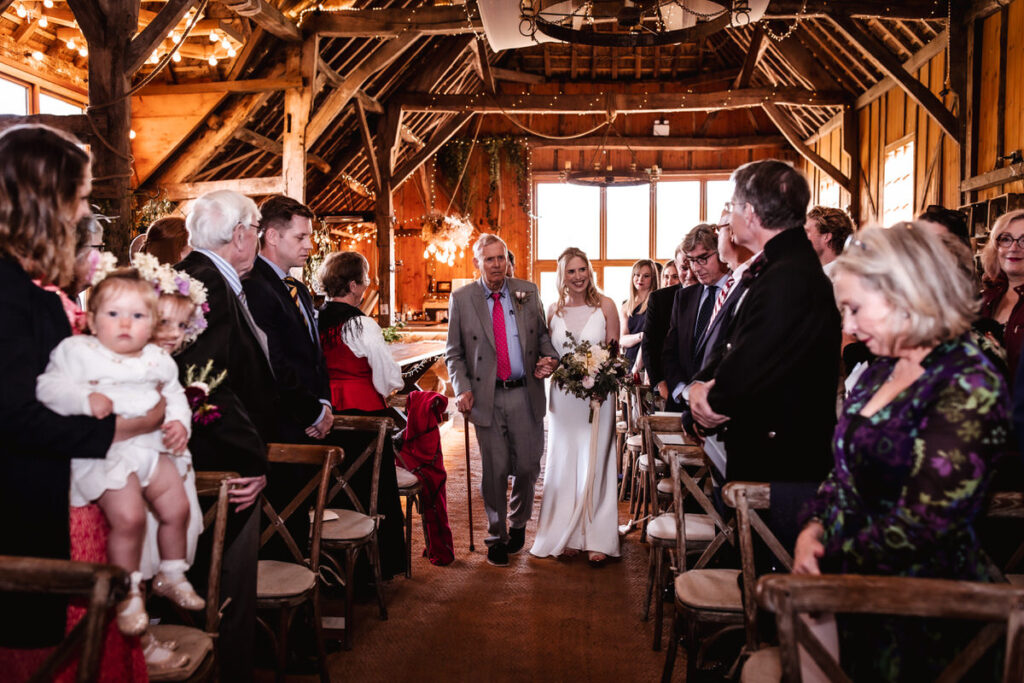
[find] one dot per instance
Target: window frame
(910, 138)
(599, 263)
(37, 85)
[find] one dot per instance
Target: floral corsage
(199, 384)
(522, 298)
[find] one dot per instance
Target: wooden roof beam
(758, 44)
(253, 187)
(245, 86)
(149, 38)
(891, 65)
(789, 129)
(483, 66)
(440, 137)
(659, 143)
(377, 23)
(276, 148)
(885, 9)
(268, 17)
(517, 76)
(622, 103)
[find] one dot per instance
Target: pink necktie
(722, 295)
(500, 340)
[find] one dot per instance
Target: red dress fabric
(122, 661)
(351, 380)
(421, 454)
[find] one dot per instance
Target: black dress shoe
(516, 540)
(497, 555)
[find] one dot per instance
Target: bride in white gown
(565, 526)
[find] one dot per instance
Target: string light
(21, 11)
(48, 4)
(212, 61)
(176, 57)
(70, 43)
(43, 22)
(37, 55)
(231, 52)
(83, 51)
(175, 37)
(131, 134)
(213, 37)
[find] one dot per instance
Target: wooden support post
(851, 145)
(297, 103)
(387, 144)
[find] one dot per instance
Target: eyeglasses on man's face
(701, 260)
(732, 206)
(1006, 240)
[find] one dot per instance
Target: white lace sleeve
(370, 344)
(61, 388)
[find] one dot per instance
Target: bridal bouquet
(590, 371)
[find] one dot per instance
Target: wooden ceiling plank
(694, 143)
(444, 133)
(889, 64)
(619, 102)
(803, 61)
(891, 36)
(905, 30)
(517, 76)
(919, 59)
(788, 128)
(448, 52)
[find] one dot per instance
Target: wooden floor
(544, 620)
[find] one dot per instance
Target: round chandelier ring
(633, 39)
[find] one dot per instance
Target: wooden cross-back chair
(197, 643)
(713, 596)
(704, 532)
(101, 584)
(1008, 505)
(284, 586)
(788, 596)
(354, 530)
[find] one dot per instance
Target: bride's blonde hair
(593, 294)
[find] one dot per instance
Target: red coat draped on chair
(421, 455)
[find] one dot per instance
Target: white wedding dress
(564, 523)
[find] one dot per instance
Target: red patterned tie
(722, 295)
(500, 339)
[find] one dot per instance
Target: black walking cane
(469, 483)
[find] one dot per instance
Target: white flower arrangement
(522, 297)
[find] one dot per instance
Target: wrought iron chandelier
(603, 174)
(640, 23)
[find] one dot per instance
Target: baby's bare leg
(126, 512)
(166, 493)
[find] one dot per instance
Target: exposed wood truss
(788, 129)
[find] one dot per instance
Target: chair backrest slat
(210, 485)
(382, 426)
(789, 595)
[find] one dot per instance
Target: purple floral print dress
(907, 486)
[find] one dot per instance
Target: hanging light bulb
(175, 37)
(154, 58)
(37, 55)
(226, 44)
(70, 43)
(176, 57)
(83, 51)
(43, 22)
(131, 134)
(212, 60)
(48, 4)
(231, 52)
(213, 37)
(21, 11)
(426, 253)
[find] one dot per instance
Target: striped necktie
(293, 288)
(722, 296)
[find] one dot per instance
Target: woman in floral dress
(914, 446)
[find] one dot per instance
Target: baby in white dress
(117, 370)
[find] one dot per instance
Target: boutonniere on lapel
(755, 269)
(522, 298)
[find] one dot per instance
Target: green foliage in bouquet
(590, 371)
(393, 333)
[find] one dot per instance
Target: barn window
(14, 98)
(898, 183)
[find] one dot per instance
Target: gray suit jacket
(471, 354)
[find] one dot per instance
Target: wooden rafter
(483, 66)
(244, 86)
(660, 143)
(905, 9)
(789, 129)
(618, 102)
(378, 22)
(268, 17)
(758, 44)
(274, 147)
(155, 32)
(177, 192)
(440, 137)
(371, 152)
(888, 63)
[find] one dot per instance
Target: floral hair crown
(165, 280)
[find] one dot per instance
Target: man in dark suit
(223, 229)
(282, 307)
(692, 309)
(771, 388)
(738, 259)
(659, 315)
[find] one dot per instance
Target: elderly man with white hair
(223, 229)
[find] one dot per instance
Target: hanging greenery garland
(452, 157)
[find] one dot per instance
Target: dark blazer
(717, 332)
(36, 447)
(659, 315)
(777, 373)
(295, 356)
(677, 354)
(247, 400)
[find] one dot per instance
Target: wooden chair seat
(635, 442)
(665, 486)
(349, 526)
(406, 479)
(710, 589)
(621, 427)
(643, 460)
(191, 641)
(699, 528)
(764, 666)
(276, 579)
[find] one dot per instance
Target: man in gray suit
(498, 355)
